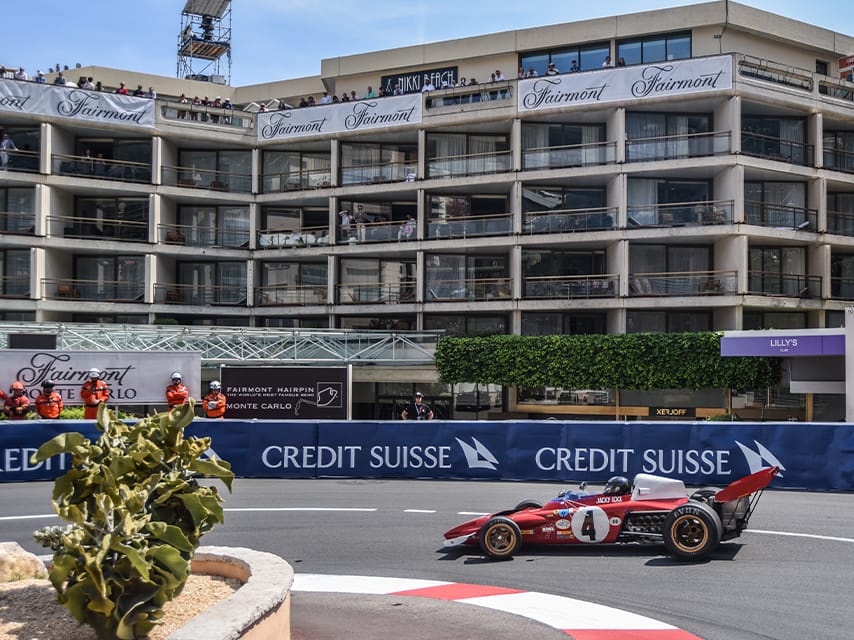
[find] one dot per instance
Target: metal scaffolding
(204, 41)
(237, 345)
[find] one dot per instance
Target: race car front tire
(500, 538)
(692, 531)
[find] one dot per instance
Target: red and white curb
(582, 620)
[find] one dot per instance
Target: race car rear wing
(747, 485)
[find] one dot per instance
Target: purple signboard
(791, 345)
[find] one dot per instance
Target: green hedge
(622, 361)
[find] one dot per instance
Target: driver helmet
(176, 376)
(94, 373)
(617, 486)
(215, 386)
(17, 386)
(48, 384)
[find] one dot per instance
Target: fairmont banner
(626, 84)
(377, 113)
(815, 456)
(32, 98)
(134, 377)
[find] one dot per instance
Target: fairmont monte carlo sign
(625, 84)
(361, 115)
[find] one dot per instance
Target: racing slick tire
(692, 531)
(500, 538)
(528, 504)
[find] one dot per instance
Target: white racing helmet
(215, 385)
(176, 375)
(94, 373)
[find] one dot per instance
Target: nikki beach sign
(32, 98)
(361, 115)
(624, 84)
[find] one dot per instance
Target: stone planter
(259, 610)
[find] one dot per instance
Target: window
(775, 138)
(28, 143)
(547, 146)
(776, 204)
(15, 273)
(114, 278)
(370, 281)
(17, 207)
(658, 48)
(126, 158)
(213, 282)
(587, 56)
(545, 324)
(218, 170)
(839, 150)
(466, 325)
(755, 320)
(840, 213)
(285, 170)
(373, 163)
(667, 321)
(459, 154)
(656, 202)
(459, 277)
(225, 226)
(778, 271)
(124, 218)
(661, 136)
(293, 283)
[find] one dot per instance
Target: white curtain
(642, 201)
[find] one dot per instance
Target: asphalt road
(788, 578)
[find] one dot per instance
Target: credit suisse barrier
(810, 455)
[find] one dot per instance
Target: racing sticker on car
(590, 524)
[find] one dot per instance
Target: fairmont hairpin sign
(626, 83)
(327, 119)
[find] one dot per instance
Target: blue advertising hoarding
(810, 456)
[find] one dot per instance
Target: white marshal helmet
(176, 375)
(215, 385)
(94, 373)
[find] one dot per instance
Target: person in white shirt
(499, 77)
(427, 86)
(552, 70)
(326, 99)
(608, 62)
(20, 74)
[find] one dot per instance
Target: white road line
(471, 513)
(419, 511)
(335, 509)
(46, 515)
(800, 535)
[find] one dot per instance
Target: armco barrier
(811, 456)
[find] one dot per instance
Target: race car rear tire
(528, 504)
(500, 538)
(692, 531)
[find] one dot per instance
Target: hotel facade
(705, 184)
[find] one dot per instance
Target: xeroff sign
(810, 456)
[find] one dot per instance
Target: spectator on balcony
(227, 109)
(6, 146)
(574, 68)
(99, 86)
(335, 100)
(197, 102)
(311, 102)
(621, 61)
(206, 103)
(21, 74)
(370, 93)
(138, 92)
(40, 77)
(499, 77)
(354, 97)
(406, 231)
(532, 73)
(60, 79)
(302, 102)
(122, 90)
(428, 85)
(345, 97)
(182, 114)
(151, 93)
(397, 91)
(608, 63)
(89, 85)
(552, 70)
(217, 105)
(326, 99)
(345, 223)
(521, 73)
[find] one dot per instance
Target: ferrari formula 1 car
(651, 509)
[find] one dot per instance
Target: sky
(283, 39)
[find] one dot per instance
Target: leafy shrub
(136, 514)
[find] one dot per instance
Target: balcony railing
(291, 295)
(296, 180)
(20, 222)
(576, 155)
(405, 171)
(840, 222)
(468, 289)
(682, 283)
(780, 216)
(841, 288)
(377, 293)
(468, 165)
(381, 231)
(236, 236)
(773, 148)
(839, 159)
(680, 214)
(676, 147)
(837, 89)
(100, 168)
(469, 94)
(305, 237)
(773, 283)
(471, 226)
(95, 290)
(125, 229)
(571, 287)
(751, 67)
(206, 179)
(196, 113)
(21, 160)
(568, 220)
(193, 294)
(15, 286)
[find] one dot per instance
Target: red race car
(651, 509)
